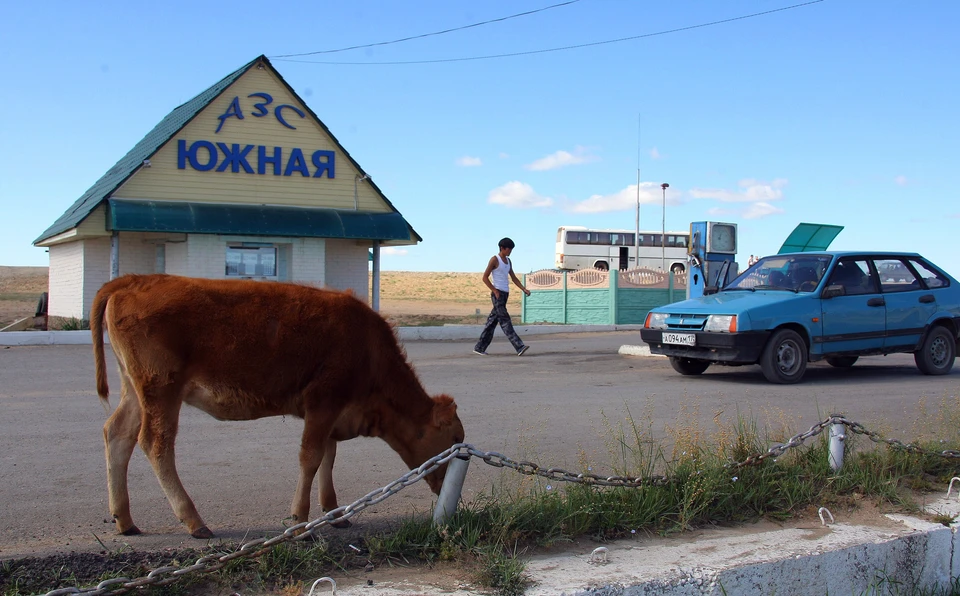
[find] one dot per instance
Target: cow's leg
(313, 445)
(158, 436)
(119, 438)
(328, 496)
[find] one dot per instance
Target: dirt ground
(20, 289)
(407, 298)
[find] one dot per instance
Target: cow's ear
(444, 410)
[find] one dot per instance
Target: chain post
(451, 489)
(837, 440)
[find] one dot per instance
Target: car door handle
(927, 298)
(876, 302)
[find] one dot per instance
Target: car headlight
(656, 320)
(721, 324)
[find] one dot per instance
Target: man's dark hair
(507, 243)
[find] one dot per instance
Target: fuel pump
(712, 254)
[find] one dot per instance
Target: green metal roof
(809, 237)
(163, 132)
(258, 220)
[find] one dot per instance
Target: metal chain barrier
(498, 460)
(254, 548)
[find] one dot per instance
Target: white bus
(582, 248)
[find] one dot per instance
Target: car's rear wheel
(842, 361)
(784, 360)
(688, 366)
(936, 355)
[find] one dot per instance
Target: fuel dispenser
(712, 253)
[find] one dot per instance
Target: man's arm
(513, 276)
(486, 275)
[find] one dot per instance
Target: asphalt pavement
(557, 405)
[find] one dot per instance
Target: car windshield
(789, 273)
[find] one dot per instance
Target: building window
(251, 261)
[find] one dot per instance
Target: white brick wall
(206, 256)
(79, 269)
(66, 280)
(96, 269)
(176, 258)
(307, 263)
(136, 255)
(347, 266)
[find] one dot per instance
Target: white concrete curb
(641, 350)
(809, 561)
(445, 332)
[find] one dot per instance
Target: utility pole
(663, 229)
(636, 239)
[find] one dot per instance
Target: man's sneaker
(523, 350)
(479, 353)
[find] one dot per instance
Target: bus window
(601, 238)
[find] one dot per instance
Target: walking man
(501, 270)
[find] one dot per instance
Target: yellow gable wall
(164, 181)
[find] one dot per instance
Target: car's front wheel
(936, 355)
(841, 361)
(784, 360)
(688, 366)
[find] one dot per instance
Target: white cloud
(518, 195)
(393, 250)
(561, 159)
(504, 155)
(901, 180)
(654, 153)
(650, 192)
(467, 161)
(759, 210)
(751, 191)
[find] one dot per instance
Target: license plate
(682, 339)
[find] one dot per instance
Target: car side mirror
(707, 290)
(833, 291)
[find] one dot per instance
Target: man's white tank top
(501, 276)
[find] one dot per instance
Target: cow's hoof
(131, 531)
(341, 524)
(203, 533)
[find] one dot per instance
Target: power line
(563, 48)
(384, 43)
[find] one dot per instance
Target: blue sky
(840, 112)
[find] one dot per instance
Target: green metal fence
(594, 297)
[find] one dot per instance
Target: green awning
(809, 237)
(254, 220)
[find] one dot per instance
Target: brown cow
(240, 350)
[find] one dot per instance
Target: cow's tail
(96, 328)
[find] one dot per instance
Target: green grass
(490, 536)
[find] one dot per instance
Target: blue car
(790, 309)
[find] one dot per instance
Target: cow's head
(443, 430)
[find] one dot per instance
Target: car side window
(854, 276)
(931, 278)
(895, 276)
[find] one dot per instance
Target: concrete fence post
(451, 489)
(614, 289)
(837, 438)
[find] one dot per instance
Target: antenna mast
(636, 239)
